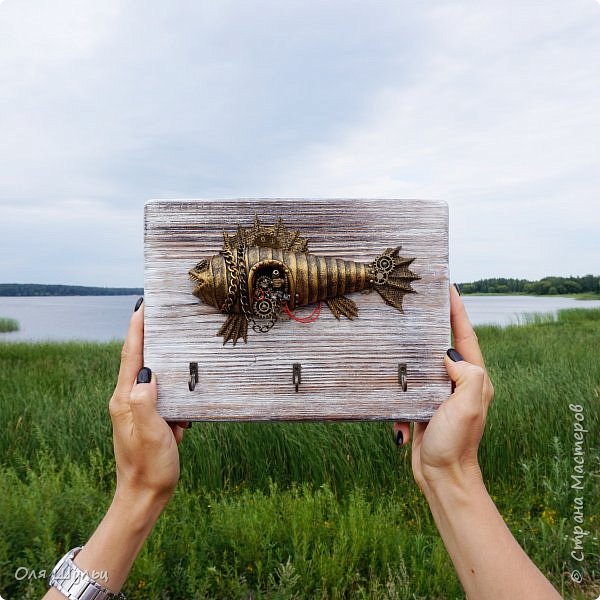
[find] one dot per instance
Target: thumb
(142, 400)
(466, 376)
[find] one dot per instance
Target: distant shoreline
(16, 290)
(581, 296)
(586, 287)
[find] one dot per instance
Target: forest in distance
(37, 289)
(547, 286)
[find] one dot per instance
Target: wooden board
(349, 368)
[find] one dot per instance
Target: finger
(469, 380)
(177, 432)
(132, 355)
(401, 432)
(465, 339)
(419, 429)
(142, 402)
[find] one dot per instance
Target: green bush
(7, 325)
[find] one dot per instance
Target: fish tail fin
(392, 277)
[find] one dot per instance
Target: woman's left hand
(145, 445)
(147, 461)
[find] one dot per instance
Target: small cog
(384, 263)
(264, 308)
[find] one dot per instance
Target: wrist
(456, 483)
(139, 508)
(116, 542)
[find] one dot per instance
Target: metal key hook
(402, 377)
(297, 375)
(193, 379)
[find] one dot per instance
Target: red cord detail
(310, 319)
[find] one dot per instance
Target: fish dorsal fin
(268, 236)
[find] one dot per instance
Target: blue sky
(491, 106)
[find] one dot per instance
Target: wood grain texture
(349, 368)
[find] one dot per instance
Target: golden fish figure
(263, 271)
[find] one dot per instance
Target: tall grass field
(293, 511)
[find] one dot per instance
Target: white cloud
(502, 123)
(492, 106)
(82, 242)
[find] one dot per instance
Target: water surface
(104, 318)
(93, 318)
(507, 310)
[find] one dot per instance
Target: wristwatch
(76, 584)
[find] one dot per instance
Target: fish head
(210, 277)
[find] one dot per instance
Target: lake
(104, 318)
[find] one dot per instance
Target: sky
(493, 107)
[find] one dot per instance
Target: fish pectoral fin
(234, 328)
(343, 306)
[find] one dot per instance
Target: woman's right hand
(487, 558)
(445, 449)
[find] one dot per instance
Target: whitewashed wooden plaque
(349, 369)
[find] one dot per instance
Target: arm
(147, 462)
(487, 558)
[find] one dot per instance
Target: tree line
(37, 289)
(544, 287)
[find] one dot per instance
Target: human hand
(147, 468)
(488, 560)
(445, 449)
(145, 445)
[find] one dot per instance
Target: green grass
(285, 511)
(7, 325)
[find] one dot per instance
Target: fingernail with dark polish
(138, 304)
(457, 288)
(399, 438)
(454, 355)
(144, 376)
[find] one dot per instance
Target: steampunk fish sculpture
(264, 271)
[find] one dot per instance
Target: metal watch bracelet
(76, 584)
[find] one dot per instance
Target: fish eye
(201, 266)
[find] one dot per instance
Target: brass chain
(244, 300)
(234, 281)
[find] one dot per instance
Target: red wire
(310, 319)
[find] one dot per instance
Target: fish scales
(328, 276)
(218, 271)
(301, 278)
